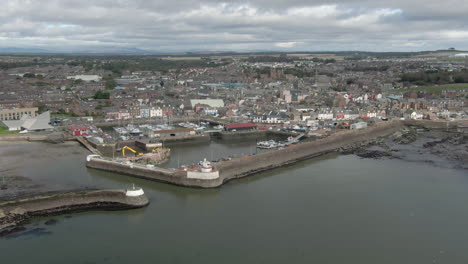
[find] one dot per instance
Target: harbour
(313, 195)
(246, 165)
(311, 192)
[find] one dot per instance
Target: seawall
(53, 137)
(244, 166)
(457, 126)
(172, 176)
(18, 211)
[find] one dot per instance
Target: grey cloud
(242, 25)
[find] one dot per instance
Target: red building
(78, 131)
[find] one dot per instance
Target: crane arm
(132, 150)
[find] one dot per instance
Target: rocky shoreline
(418, 144)
(17, 212)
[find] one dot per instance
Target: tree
(101, 95)
(41, 107)
(29, 75)
(110, 83)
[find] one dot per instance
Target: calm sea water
(333, 209)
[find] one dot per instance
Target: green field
(436, 89)
(4, 131)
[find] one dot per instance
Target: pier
(87, 145)
(18, 211)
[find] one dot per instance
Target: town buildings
(17, 113)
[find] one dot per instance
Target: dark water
(192, 153)
(334, 209)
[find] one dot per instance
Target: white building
(325, 116)
(358, 125)
(209, 102)
(461, 55)
(415, 115)
(210, 111)
(86, 78)
(155, 112)
(40, 122)
(145, 112)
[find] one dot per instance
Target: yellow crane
(156, 149)
(132, 150)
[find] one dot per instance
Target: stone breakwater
(241, 167)
(19, 211)
(244, 166)
(172, 176)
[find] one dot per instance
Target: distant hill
(100, 50)
(112, 50)
(22, 50)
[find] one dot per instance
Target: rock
(51, 222)
(18, 211)
(375, 154)
(12, 231)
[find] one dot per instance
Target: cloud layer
(183, 25)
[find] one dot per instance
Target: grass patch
(436, 89)
(181, 58)
(5, 131)
(62, 115)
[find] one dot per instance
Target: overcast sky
(185, 25)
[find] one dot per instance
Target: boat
(267, 144)
(136, 132)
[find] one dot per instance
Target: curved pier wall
(15, 212)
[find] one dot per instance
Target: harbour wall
(184, 139)
(50, 137)
(244, 166)
(18, 211)
(254, 134)
(172, 176)
(457, 126)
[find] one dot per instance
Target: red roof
(72, 127)
(240, 125)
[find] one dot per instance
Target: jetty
(87, 145)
